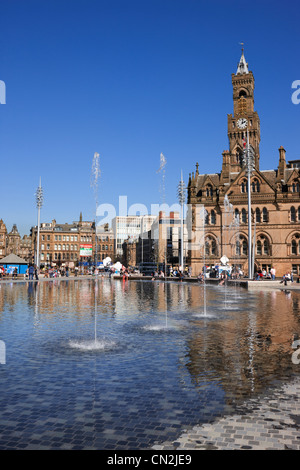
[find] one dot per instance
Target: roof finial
(242, 66)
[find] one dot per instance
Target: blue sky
(131, 79)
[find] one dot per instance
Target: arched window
(255, 186)
(299, 213)
(265, 216)
(294, 247)
(211, 247)
(244, 186)
(295, 187)
(244, 216)
(293, 214)
(257, 215)
(263, 246)
(241, 246)
(237, 215)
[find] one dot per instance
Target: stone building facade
(17, 245)
(105, 243)
(275, 200)
(72, 244)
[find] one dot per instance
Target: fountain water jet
(95, 344)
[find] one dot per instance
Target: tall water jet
(162, 190)
(227, 235)
(95, 175)
(181, 197)
(202, 220)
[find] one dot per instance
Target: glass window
(257, 215)
(258, 247)
(244, 216)
(213, 217)
(265, 214)
(266, 247)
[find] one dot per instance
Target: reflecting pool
(107, 364)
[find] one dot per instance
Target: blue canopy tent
(12, 261)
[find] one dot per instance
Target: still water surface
(160, 364)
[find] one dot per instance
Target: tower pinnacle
(242, 65)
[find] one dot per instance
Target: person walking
(31, 272)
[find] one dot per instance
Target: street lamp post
(249, 163)
(39, 202)
(181, 198)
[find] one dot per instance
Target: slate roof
(12, 259)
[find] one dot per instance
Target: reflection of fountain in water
(231, 244)
(92, 345)
(235, 248)
(203, 215)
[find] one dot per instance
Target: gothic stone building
(275, 200)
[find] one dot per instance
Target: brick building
(72, 244)
(275, 197)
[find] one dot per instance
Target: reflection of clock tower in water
(244, 117)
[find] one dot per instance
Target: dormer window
(209, 190)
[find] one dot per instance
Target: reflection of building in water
(247, 351)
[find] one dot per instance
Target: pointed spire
(242, 66)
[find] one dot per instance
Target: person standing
(36, 273)
(273, 272)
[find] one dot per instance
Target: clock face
(242, 123)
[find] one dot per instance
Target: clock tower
(244, 119)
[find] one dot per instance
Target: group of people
(50, 273)
(5, 272)
(32, 272)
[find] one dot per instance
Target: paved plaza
(269, 423)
